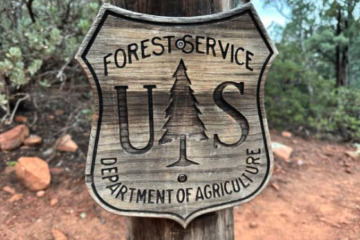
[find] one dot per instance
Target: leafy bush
(298, 97)
(39, 35)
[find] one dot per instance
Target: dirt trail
(315, 197)
(319, 200)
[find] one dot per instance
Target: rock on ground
(286, 134)
(56, 171)
(58, 235)
(16, 197)
(353, 154)
(40, 193)
(281, 151)
(21, 119)
(54, 201)
(253, 225)
(13, 138)
(59, 112)
(9, 190)
(33, 140)
(33, 172)
(66, 144)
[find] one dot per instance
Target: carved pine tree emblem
(183, 113)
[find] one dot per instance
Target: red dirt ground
(317, 200)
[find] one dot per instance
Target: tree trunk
(214, 226)
(341, 56)
(176, 8)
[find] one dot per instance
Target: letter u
(124, 120)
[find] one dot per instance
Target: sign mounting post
(180, 127)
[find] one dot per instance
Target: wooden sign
(179, 128)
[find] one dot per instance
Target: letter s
(226, 107)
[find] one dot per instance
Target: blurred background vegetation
(313, 87)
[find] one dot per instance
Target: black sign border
(246, 9)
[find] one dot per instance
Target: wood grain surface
(180, 127)
(217, 225)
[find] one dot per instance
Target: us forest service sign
(179, 128)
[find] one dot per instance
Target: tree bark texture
(213, 226)
(341, 61)
(176, 8)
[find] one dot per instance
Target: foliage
(297, 97)
(40, 35)
(301, 92)
(12, 163)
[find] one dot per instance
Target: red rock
(56, 171)
(15, 198)
(281, 151)
(59, 112)
(33, 140)
(275, 186)
(58, 235)
(9, 190)
(66, 144)
(253, 225)
(54, 201)
(40, 193)
(300, 162)
(13, 138)
(21, 119)
(286, 134)
(353, 154)
(33, 172)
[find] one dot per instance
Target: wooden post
(139, 182)
(176, 8)
(214, 226)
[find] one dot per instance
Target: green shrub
(298, 97)
(43, 38)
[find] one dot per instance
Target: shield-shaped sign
(179, 128)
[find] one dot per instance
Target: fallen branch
(61, 74)
(3, 120)
(16, 107)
